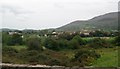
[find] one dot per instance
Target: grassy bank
(109, 57)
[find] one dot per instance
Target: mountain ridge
(107, 22)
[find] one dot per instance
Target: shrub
(5, 38)
(9, 51)
(54, 62)
(80, 40)
(117, 40)
(51, 44)
(99, 43)
(85, 57)
(73, 44)
(15, 39)
(34, 44)
(76, 42)
(66, 36)
(63, 44)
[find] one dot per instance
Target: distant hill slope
(107, 22)
(7, 29)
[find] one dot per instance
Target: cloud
(20, 13)
(13, 9)
(58, 5)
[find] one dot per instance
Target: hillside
(107, 22)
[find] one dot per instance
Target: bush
(34, 44)
(85, 57)
(5, 38)
(32, 56)
(54, 62)
(63, 44)
(9, 51)
(15, 39)
(99, 43)
(73, 44)
(66, 36)
(117, 41)
(80, 40)
(76, 42)
(51, 44)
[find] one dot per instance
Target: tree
(73, 44)
(99, 43)
(51, 44)
(5, 38)
(79, 39)
(97, 33)
(63, 43)
(117, 40)
(66, 36)
(13, 39)
(34, 44)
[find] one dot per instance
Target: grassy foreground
(109, 56)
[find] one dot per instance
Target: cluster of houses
(11, 33)
(14, 32)
(55, 34)
(83, 32)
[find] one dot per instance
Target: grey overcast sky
(42, 14)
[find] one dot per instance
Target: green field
(109, 57)
(19, 47)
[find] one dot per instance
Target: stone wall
(6, 67)
(25, 66)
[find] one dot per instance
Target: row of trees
(55, 44)
(63, 42)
